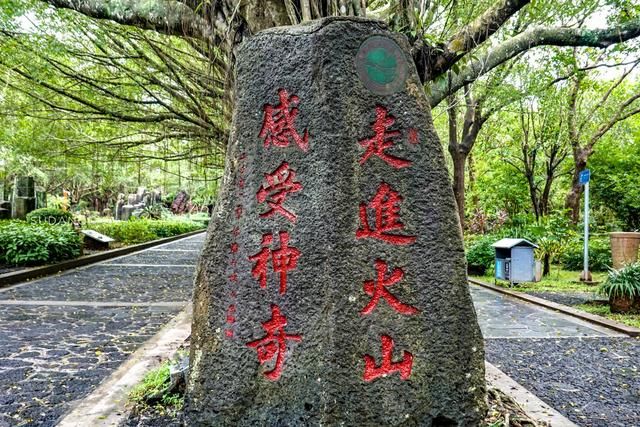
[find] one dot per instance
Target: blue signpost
(584, 178)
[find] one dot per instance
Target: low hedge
(23, 243)
(143, 230)
(599, 254)
(49, 216)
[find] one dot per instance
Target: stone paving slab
(191, 243)
(500, 316)
(109, 283)
(158, 258)
(53, 355)
(595, 382)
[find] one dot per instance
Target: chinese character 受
(376, 289)
(278, 185)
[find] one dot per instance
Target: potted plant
(623, 289)
(624, 248)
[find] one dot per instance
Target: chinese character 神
(278, 127)
(283, 260)
(376, 289)
(279, 184)
(382, 140)
(274, 343)
(386, 204)
(371, 371)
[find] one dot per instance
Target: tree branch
(164, 16)
(579, 37)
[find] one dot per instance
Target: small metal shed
(514, 260)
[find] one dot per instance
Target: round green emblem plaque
(381, 65)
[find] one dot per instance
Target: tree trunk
(459, 161)
(572, 201)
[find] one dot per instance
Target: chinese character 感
(278, 127)
(382, 140)
(386, 205)
(273, 344)
(376, 289)
(371, 371)
(283, 260)
(279, 184)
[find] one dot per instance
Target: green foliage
(599, 254)
(142, 230)
(480, 254)
(23, 243)
(605, 311)
(50, 216)
(623, 283)
(153, 387)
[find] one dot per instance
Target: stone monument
(24, 197)
(332, 287)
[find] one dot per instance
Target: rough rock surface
(332, 354)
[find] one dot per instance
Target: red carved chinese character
(231, 314)
(413, 136)
(376, 289)
(233, 277)
(238, 211)
(279, 184)
(371, 371)
(274, 343)
(283, 260)
(234, 248)
(386, 204)
(278, 127)
(382, 140)
(259, 271)
(228, 333)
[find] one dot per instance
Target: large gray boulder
(332, 287)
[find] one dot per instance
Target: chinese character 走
(278, 128)
(371, 371)
(279, 184)
(382, 140)
(283, 259)
(273, 344)
(376, 289)
(386, 205)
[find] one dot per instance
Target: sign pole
(586, 232)
(585, 177)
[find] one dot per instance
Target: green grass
(604, 311)
(558, 281)
(154, 383)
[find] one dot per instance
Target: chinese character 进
(371, 371)
(382, 140)
(386, 205)
(376, 289)
(273, 344)
(278, 128)
(279, 184)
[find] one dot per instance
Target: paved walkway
(589, 374)
(60, 336)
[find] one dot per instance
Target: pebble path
(61, 335)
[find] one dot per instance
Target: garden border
(8, 279)
(593, 318)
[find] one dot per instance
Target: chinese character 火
(376, 289)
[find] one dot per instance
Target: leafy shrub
(142, 230)
(50, 216)
(623, 283)
(23, 243)
(480, 254)
(599, 254)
